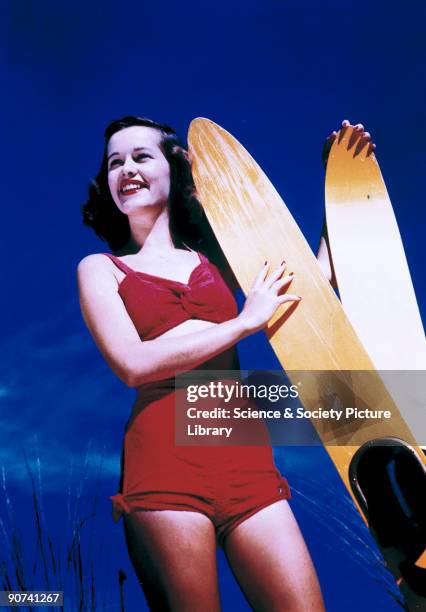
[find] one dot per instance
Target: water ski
(252, 225)
(368, 256)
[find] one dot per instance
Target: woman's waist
(154, 390)
(224, 365)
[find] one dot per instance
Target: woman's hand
(360, 136)
(264, 297)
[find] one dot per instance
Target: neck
(149, 233)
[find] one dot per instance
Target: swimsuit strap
(202, 257)
(121, 265)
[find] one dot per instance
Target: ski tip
(201, 125)
(199, 121)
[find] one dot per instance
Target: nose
(129, 167)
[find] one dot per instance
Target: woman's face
(138, 172)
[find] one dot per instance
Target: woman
(157, 306)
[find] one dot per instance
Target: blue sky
(280, 75)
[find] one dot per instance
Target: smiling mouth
(131, 187)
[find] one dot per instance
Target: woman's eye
(142, 156)
(114, 163)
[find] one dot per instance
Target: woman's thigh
(271, 563)
(173, 553)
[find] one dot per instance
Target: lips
(131, 186)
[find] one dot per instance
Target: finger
(343, 130)
(261, 275)
(362, 142)
(327, 147)
(270, 280)
(356, 134)
(282, 282)
(371, 149)
(289, 297)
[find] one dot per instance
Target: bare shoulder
(90, 263)
(96, 269)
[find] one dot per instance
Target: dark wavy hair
(187, 221)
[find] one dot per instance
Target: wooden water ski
(252, 225)
(376, 291)
(369, 260)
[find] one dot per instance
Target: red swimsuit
(226, 483)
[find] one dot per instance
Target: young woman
(163, 303)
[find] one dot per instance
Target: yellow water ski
(372, 273)
(369, 260)
(253, 224)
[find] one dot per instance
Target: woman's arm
(324, 257)
(136, 361)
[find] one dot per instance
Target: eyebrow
(135, 149)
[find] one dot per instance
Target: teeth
(130, 186)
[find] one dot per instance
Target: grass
(33, 558)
